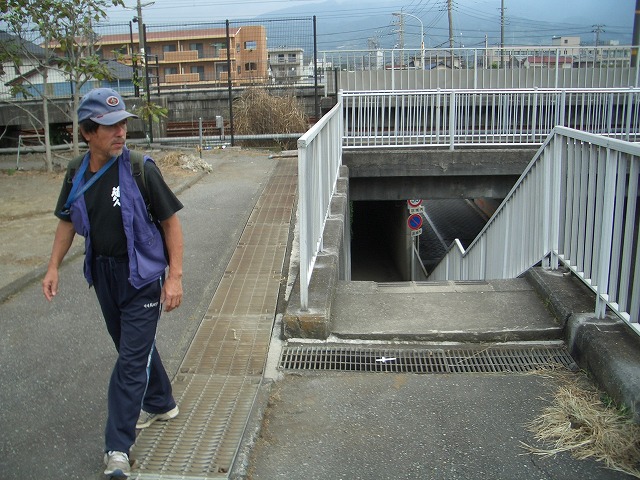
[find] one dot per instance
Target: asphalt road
(57, 357)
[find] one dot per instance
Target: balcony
(182, 77)
(183, 56)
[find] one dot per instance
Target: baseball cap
(104, 106)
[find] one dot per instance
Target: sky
(526, 21)
(163, 11)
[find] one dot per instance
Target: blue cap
(104, 106)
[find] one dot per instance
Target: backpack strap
(72, 167)
(137, 161)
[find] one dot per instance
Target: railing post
(561, 107)
(534, 116)
(627, 127)
(452, 119)
(606, 235)
(556, 182)
(304, 227)
(393, 70)
(438, 113)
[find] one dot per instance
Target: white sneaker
(117, 464)
(147, 418)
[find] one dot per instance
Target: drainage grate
(405, 360)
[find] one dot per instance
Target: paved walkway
(57, 357)
(241, 415)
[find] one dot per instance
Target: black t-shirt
(103, 207)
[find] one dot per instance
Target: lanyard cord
(75, 193)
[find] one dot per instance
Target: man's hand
(171, 296)
(50, 284)
(61, 244)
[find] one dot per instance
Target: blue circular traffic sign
(414, 222)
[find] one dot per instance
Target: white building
(286, 65)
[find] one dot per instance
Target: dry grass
(182, 161)
(257, 112)
(580, 423)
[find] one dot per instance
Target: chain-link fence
(194, 70)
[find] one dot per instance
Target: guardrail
(576, 204)
(452, 118)
(319, 159)
(474, 68)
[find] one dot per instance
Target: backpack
(137, 161)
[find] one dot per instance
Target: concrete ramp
(481, 311)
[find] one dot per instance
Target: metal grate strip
(472, 360)
(220, 374)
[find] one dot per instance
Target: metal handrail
(569, 206)
(470, 117)
(319, 159)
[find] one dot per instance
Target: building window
(250, 66)
(250, 45)
(169, 48)
(199, 69)
(239, 69)
(281, 58)
(291, 57)
(171, 70)
(199, 47)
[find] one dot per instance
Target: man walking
(131, 237)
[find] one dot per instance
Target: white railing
(319, 159)
(451, 118)
(576, 204)
(491, 67)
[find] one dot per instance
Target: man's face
(108, 140)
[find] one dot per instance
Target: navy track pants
(139, 379)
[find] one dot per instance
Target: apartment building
(286, 64)
(195, 58)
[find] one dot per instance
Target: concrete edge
(607, 349)
(315, 322)
(37, 273)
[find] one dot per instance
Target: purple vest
(145, 247)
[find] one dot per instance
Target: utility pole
(142, 41)
(597, 29)
(502, 34)
(449, 2)
(502, 25)
(635, 39)
(400, 36)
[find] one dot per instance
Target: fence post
(393, 70)
(627, 126)
(229, 84)
(534, 116)
(561, 107)
(452, 119)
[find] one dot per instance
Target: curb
(37, 273)
(606, 348)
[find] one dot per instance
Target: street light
(400, 14)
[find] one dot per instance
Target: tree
(65, 26)
(18, 50)
(77, 40)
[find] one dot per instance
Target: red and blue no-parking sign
(414, 222)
